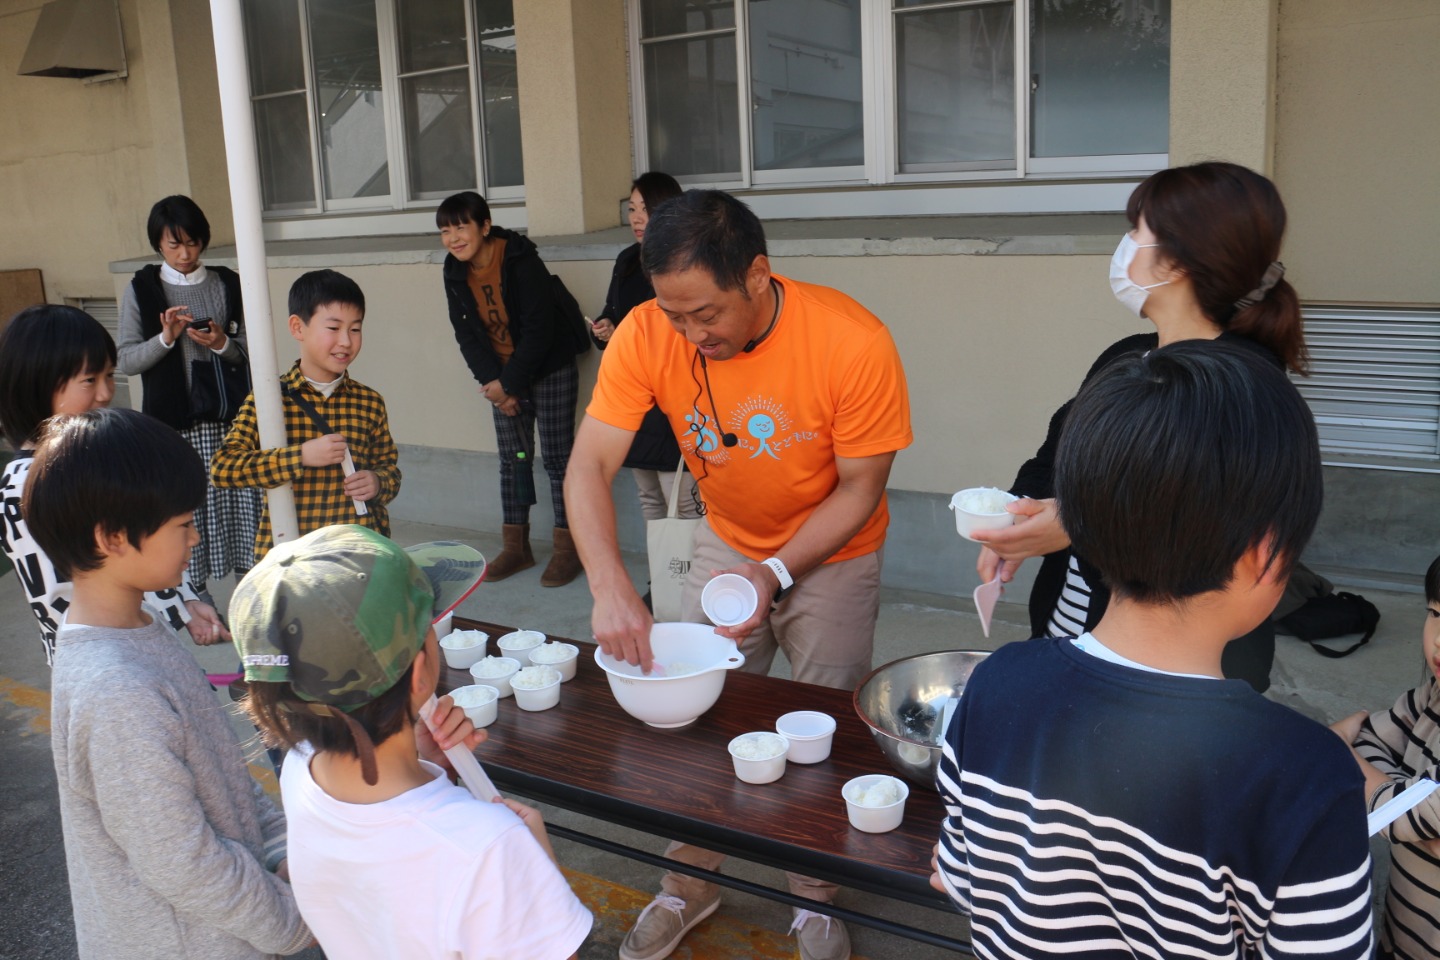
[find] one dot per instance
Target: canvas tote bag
(670, 544)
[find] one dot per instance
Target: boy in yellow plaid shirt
(340, 460)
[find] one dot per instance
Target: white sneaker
(662, 925)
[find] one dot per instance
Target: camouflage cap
(340, 613)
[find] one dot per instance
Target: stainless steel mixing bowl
(903, 704)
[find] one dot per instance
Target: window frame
(400, 198)
(881, 167)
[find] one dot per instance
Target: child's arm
(952, 869)
(241, 463)
(1382, 740)
(1322, 905)
(124, 747)
(380, 457)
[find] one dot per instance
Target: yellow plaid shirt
(354, 410)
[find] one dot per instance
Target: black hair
(704, 228)
(1432, 582)
(316, 289)
(1174, 463)
(1222, 224)
(286, 720)
(176, 214)
(655, 188)
(466, 206)
(42, 348)
(119, 471)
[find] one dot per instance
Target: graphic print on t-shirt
(495, 322)
(762, 427)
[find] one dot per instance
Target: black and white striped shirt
(1095, 810)
(1404, 742)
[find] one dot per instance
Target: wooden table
(589, 756)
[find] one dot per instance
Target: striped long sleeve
(1404, 743)
(1102, 812)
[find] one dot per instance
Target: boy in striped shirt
(1112, 795)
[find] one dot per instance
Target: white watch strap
(781, 574)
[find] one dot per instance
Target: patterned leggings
(551, 403)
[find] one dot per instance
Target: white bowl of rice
(536, 687)
(562, 656)
(519, 643)
(463, 647)
(481, 703)
(759, 757)
(495, 672)
(981, 508)
(875, 802)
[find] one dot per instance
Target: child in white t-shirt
(388, 858)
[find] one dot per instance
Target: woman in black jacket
(513, 338)
(1201, 263)
(654, 454)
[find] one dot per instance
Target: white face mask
(1127, 291)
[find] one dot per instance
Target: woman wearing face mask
(1201, 263)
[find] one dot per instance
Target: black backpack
(1332, 615)
(572, 318)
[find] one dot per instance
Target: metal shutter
(1374, 382)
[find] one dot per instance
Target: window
(756, 93)
(1374, 384)
(383, 104)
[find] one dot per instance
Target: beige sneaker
(663, 924)
(820, 936)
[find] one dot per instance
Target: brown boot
(516, 555)
(564, 564)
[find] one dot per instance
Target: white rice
(493, 667)
(533, 678)
(764, 746)
(472, 696)
(465, 638)
(521, 640)
(986, 500)
(679, 668)
(553, 653)
(881, 793)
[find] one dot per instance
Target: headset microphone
(726, 438)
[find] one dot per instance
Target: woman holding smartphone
(182, 330)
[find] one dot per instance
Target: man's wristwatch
(787, 582)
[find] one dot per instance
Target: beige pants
(654, 489)
(826, 626)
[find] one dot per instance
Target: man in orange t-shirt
(789, 403)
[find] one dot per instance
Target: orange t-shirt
(485, 285)
(826, 383)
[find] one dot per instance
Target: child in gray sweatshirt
(172, 848)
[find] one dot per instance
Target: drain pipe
(245, 201)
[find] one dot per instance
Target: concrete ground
(35, 917)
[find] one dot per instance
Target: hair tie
(1272, 276)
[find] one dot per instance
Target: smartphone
(199, 323)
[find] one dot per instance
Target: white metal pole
(245, 202)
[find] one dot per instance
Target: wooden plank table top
(589, 756)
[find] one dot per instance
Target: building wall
(81, 164)
(1358, 137)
